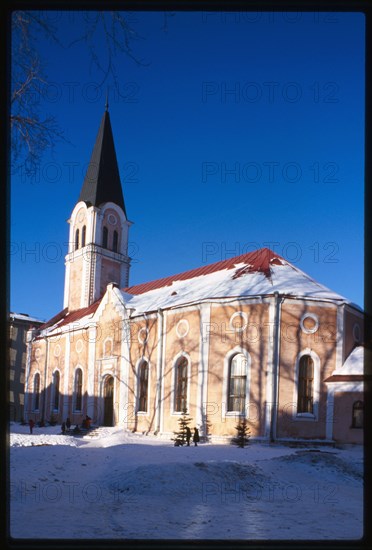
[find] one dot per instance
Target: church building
(248, 337)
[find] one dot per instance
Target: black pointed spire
(102, 180)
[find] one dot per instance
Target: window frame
(176, 398)
(36, 394)
(56, 391)
(354, 418)
(143, 395)
(78, 390)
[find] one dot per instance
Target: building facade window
(36, 391)
(104, 237)
(115, 241)
(78, 389)
(180, 401)
(76, 239)
(83, 235)
(143, 386)
(237, 383)
(56, 381)
(358, 415)
(305, 396)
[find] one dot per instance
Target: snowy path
(127, 486)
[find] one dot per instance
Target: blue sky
(244, 130)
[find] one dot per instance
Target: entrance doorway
(108, 397)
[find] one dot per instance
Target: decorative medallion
(143, 334)
(309, 323)
(112, 219)
(79, 345)
(238, 321)
(182, 328)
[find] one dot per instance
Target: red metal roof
(257, 261)
(65, 317)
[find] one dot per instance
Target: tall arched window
(104, 237)
(358, 415)
(78, 389)
(115, 241)
(36, 391)
(305, 385)
(180, 401)
(56, 379)
(237, 383)
(143, 386)
(76, 239)
(83, 235)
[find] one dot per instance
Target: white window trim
(225, 386)
(173, 388)
(137, 394)
(312, 417)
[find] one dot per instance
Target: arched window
(305, 385)
(78, 389)
(237, 383)
(36, 391)
(180, 401)
(115, 241)
(143, 386)
(358, 415)
(76, 239)
(83, 235)
(56, 390)
(104, 237)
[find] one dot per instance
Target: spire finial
(107, 103)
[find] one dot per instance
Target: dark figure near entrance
(196, 437)
(63, 427)
(68, 423)
(188, 435)
(31, 423)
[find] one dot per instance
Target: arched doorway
(108, 397)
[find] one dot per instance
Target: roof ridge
(263, 256)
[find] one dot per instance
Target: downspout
(45, 375)
(160, 368)
(275, 388)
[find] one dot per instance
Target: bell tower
(99, 227)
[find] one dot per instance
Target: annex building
(251, 336)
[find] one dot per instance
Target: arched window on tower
(83, 235)
(36, 391)
(104, 237)
(115, 241)
(78, 389)
(305, 385)
(76, 239)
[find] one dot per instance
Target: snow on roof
(24, 317)
(354, 362)
(257, 273)
(352, 368)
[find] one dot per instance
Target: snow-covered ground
(118, 485)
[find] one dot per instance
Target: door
(108, 396)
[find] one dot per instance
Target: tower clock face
(112, 219)
(81, 216)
